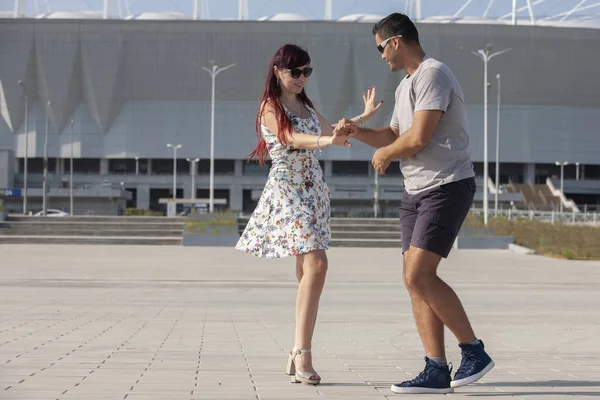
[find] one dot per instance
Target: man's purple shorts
(430, 220)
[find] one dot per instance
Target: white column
(104, 166)
(143, 196)
(20, 8)
(187, 189)
(328, 10)
(107, 9)
(196, 10)
(328, 168)
(236, 197)
(529, 173)
(239, 167)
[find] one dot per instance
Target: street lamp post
(562, 178)
(376, 195)
(137, 165)
(119, 208)
(497, 180)
(213, 71)
(26, 146)
(486, 55)
(45, 174)
(577, 171)
(174, 147)
(193, 161)
(71, 169)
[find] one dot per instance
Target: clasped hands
(342, 131)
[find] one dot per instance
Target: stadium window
(350, 168)
(121, 166)
(254, 169)
(222, 167)
(86, 165)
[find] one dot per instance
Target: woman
(292, 215)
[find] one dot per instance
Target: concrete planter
(211, 230)
(483, 242)
(207, 239)
(477, 232)
(521, 250)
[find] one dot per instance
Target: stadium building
(110, 93)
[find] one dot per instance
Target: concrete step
(367, 231)
(157, 241)
(353, 228)
(91, 218)
(349, 221)
(90, 240)
(359, 235)
(92, 231)
(365, 221)
(52, 226)
(366, 227)
(375, 243)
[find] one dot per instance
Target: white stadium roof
(72, 15)
(284, 17)
(361, 18)
(562, 13)
(160, 16)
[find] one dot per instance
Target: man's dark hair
(397, 24)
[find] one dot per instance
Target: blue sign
(10, 192)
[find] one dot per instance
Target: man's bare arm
(379, 137)
(417, 137)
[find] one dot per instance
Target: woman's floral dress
(292, 215)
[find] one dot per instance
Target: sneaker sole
(420, 390)
(470, 379)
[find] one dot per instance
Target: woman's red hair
(287, 57)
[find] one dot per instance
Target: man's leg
(429, 325)
(420, 275)
(442, 212)
(436, 376)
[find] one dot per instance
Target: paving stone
(143, 322)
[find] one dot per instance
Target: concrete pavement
(137, 322)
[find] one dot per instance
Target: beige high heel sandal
(300, 376)
(290, 368)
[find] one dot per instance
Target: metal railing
(552, 217)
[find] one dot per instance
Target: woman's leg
(311, 281)
(299, 264)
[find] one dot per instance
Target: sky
(313, 9)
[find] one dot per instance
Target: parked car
(52, 213)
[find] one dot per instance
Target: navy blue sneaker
(433, 379)
(474, 365)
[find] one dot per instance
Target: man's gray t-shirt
(446, 158)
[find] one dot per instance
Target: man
(428, 132)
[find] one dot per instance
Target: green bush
(216, 223)
(134, 212)
(567, 253)
(558, 240)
